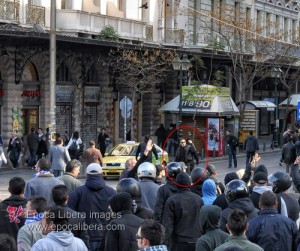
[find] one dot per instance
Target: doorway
(30, 119)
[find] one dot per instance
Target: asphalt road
(269, 159)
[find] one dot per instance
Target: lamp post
(276, 73)
(180, 65)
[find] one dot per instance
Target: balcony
(174, 36)
(75, 21)
(35, 14)
(9, 10)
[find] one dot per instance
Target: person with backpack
(232, 143)
(251, 146)
(74, 145)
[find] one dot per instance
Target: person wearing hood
(209, 192)
(12, 209)
(54, 225)
(122, 239)
(237, 195)
(212, 235)
(251, 146)
(92, 200)
(181, 217)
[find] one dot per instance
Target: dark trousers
(182, 246)
(249, 157)
(232, 155)
(32, 158)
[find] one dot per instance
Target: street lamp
(276, 73)
(180, 65)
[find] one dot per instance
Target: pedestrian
(31, 232)
(69, 178)
(76, 220)
(59, 157)
(55, 226)
(74, 146)
(251, 146)
(12, 209)
(271, 230)
(160, 133)
(232, 144)
(187, 153)
(181, 216)
(285, 139)
(151, 236)
(281, 182)
(92, 154)
(142, 147)
(42, 183)
(237, 195)
(212, 235)
(65, 137)
(209, 192)
(14, 149)
(146, 175)
(237, 226)
(289, 154)
(122, 239)
(132, 186)
(32, 143)
(102, 137)
(171, 135)
(42, 150)
(92, 200)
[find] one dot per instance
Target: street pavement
(270, 158)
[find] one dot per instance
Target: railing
(149, 33)
(9, 10)
(35, 14)
(175, 36)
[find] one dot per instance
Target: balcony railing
(74, 21)
(9, 10)
(174, 36)
(149, 33)
(35, 14)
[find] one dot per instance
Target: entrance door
(30, 119)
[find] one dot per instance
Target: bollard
(214, 152)
(264, 146)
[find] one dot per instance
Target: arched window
(30, 72)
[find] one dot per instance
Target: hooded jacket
(92, 199)
(212, 235)
(244, 204)
(12, 215)
(59, 240)
(209, 192)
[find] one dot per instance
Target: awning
(220, 106)
(294, 99)
(252, 105)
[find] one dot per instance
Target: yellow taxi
(114, 161)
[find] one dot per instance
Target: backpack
(234, 141)
(73, 146)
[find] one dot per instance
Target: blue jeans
(32, 158)
(94, 245)
(231, 155)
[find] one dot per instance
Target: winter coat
(12, 215)
(292, 205)
(186, 154)
(28, 235)
(70, 182)
(251, 144)
(273, 231)
(140, 211)
(240, 242)
(123, 239)
(180, 219)
(33, 141)
(212, 236)
(149, 192)
(59, 157)
(14, 148)
(244, 204)
(289, 153)
(59, 240)
(209, 192)
(92, 199)
(163, 193)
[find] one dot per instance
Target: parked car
(114, 161)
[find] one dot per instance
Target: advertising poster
(213, 134)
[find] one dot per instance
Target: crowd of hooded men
(186, 210)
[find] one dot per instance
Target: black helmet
(236, 189)
(173, 169)
(129, 185)
(199, 175)
(280, 181)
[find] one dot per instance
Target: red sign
(35, 93)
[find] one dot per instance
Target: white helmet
(146, 170)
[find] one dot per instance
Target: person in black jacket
(117, 238)
(289, 154)
(181, 217)
(231, 149)
(14, 149)
(142, 147)
(77, 220)
(251, 146)
(160, 133)
(270, 230)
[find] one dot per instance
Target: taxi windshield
(123, 150)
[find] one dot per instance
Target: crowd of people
(180, 205)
